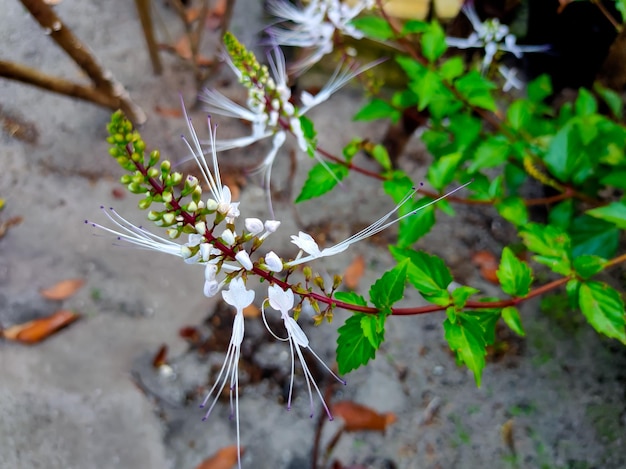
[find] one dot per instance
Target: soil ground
(89, 397)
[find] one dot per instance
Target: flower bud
(271, 225)
(273, 262)
(228, 237)
(253, 225)
(244, 259)
(169, 218)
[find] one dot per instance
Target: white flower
(271, 113)
(282, 300)
(510, 78)
(307, 244)
(238, 296)
(228, 237)
(314, 26)
(273, 262)
(221, 193)
(491, 36)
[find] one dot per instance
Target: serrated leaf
(513, 210)
(310, 135)
(492, 152)
(414, 26)
(350, 297)
(413, 69)
(373, 326)
(417, 225)
(373, 27)
(551, 244)
(428, 274)
(390, 287)
(587, 266)
(476, 89)
(561, 214)
(593, 236)
(433, 42)
(515, 276)
(461, 294)
(377, 109)
(321, 179)
(511, 317)
(466, 338)
(610, 97)
(604, 309)
(539, 89)
(613, 213)
(452, 68)
(487, 319)
(585, 104)
(519, 114)
(441, 172)
(426, 88)
(353, 348)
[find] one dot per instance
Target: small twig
(79, 52)
(143, 8)
(608, 15)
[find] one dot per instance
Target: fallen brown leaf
(357, 417)
(63, 289)
(168, 111)
(225, 458)
(251, 311)
(5, 225)
(488, 265)
(354, 272)
(160, 358)
(37, 330)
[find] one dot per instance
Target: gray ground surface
(89, 398)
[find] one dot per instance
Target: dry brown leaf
(354, 272)
(5, 225)
(225, 458)
(357, 417)
(488, 265)
(37, 330)
(63, 289)
(160, 358)
(251, 311)
(169, 111)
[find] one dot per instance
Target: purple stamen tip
(421, 184)
(102, 207)
(204, 418)
(311, 416)
(330, 418)
(202, 406)
(86, 221)
(343, 381)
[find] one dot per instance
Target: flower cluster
(314, 26)
(269, 107)
(227, 254)
(492, 36)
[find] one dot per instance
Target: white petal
(273, 262)
(244, 259)
(237, 295)
(253, 225)
(305, 242)
(295, 331)
(281, 300)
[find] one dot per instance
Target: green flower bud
(176, 179)
(154, 215)
(154, 157)
(167, 197)
(153, 172)
(145, 203)
(169, 218)
(136, 188)
(126, 179)
(166, 167)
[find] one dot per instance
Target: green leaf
(593, 236)
(539, 89)
(414, 27)
(441, 172)
(373, 27)
(461, 294)
(310, 135)
(377, 109)
(616, 179)
(466, 338)
(585, 104)
(610, 97)
(587, 265)
(551, 244)
(418, 224)
(487, 319)
(373, 326)
(604, 309)
(452, 68)
(492, 152)
(350, 297)
(398, 187)
(353, 347)
(513, 210)
(381, 155)
(613, 213)
(428, 274)
(519, 114)
(433, 42)
(561, 214)
(511, 317)
(426, 88)
(413, 69)
(390, 287)
(476, 89)
(515, 276)
(321, 179)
